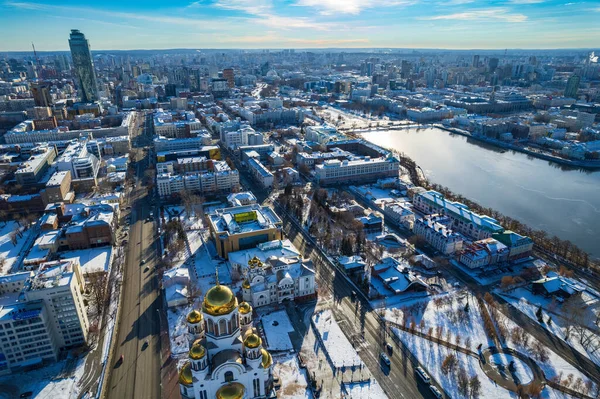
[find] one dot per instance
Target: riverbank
(591, 165)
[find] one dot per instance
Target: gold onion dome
(267, 360)
(233, 390)
(194, 317)
(185, 374)
(246, 284)
(252, 341)
(219, 300)
(197, 351)
(245, 308)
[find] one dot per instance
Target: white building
(162, 144)
(76, 159)
(274, 272)
(434, 229)
(220, 179)
(226, 358)
(484, 253)
(323, 134)
(175, 124)
(400, 214)
(261, 173)
(358, 170)
(238, 138)
(41, 314)
(464, 220)
(241, 199)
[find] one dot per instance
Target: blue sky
(152, 24)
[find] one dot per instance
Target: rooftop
(243, 219)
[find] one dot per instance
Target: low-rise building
(434, 229)
(31, 171)
(243, 227)
(358, 170)
(464, 220)
(483, 253)
(261, 173)
(518, 246)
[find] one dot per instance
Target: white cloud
(330, 7)
(489, 14)
(254, 7)
(526, 1)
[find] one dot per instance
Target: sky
(448, 24)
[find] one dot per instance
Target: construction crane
(37, 60)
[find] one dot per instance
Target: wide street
(138, 327)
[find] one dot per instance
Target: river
(562, 201)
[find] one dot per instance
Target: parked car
(424, 376)
(385, 359)
(436, 392)
(389, 347)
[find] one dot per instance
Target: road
(362, 326)
(138, 375)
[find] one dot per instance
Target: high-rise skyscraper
(476, 61)
(572, 86)
(84, 66)
(41, 94)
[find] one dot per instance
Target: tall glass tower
(84, 66)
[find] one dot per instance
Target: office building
(230, 76)
(243, 227)
(218, 179)
(41, 94)
(357, 170)
(32, 170)
(572, 86)
(261, 173)
(84, 66)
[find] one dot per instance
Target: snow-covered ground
(431, 356)
(277, 327)
(364, 390)
(91, 260)
(340, 350)
(178, 329)
(294, 384)
(521, 370)
(8, 251)
(554, 366)
(446, 311)
(529, 304)
(56, 381)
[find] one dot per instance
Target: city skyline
(523, 24)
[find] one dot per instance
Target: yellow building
(243, 227)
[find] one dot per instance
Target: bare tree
(96, 286)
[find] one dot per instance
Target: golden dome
(219, 300)
(197, 351)
(267, 360)
(252, 341)
(246, 284)
(194, 317)
(185, 374)
(245, 308)
(254, 262)
(233, 390)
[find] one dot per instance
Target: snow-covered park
(277, 327)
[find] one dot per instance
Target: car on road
(424, 376)
(145, 345)
(436, 392)
(143, 261)
(389, 347)
(385, 359)
(146, 269)
(27, 394)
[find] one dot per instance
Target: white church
(226, 358)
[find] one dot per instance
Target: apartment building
(41, 315)
(219, 178)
